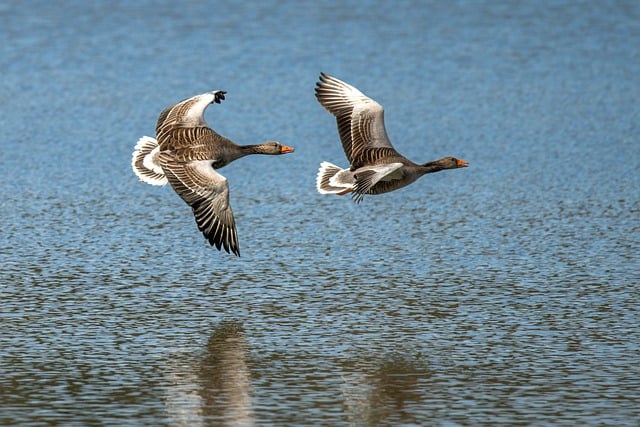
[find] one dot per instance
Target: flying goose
(187, 153)
(375, 166)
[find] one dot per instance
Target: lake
(505, 293)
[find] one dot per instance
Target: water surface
(501, 294)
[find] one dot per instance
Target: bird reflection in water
(382, 393)
(226, 382)
(215, 389)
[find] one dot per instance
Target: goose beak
(463, 163)
(285, 149)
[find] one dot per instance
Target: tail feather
(332, 179)
(145, 164)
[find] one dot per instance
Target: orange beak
(285, 149)
(463, 163)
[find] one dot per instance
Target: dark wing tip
(322, 80)
(229, 244)
(217, 233)
(357, 197)
(218, 96)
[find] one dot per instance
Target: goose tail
(144, 161)
(332, 179)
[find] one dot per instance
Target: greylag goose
(187, 153)
(375, 166)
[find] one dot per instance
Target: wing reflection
(382, 393)
(214, 389)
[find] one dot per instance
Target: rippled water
(501, 294)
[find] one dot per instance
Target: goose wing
(360, 119)
(188, 113)
(207, 192)
(368, 176)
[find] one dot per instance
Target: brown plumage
(375, 166)
(186, 153)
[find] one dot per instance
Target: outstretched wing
(360, 119)
(207, 192)
(186, 113)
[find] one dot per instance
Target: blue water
(505, 293)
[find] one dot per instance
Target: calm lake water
(502, 294)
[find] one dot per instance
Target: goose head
(272, 147)
(449, 163)
(442, 164)
(457, 162)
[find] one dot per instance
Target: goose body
(186, 153)
(375, 166)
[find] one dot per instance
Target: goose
(187, 153)
(375, 166)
